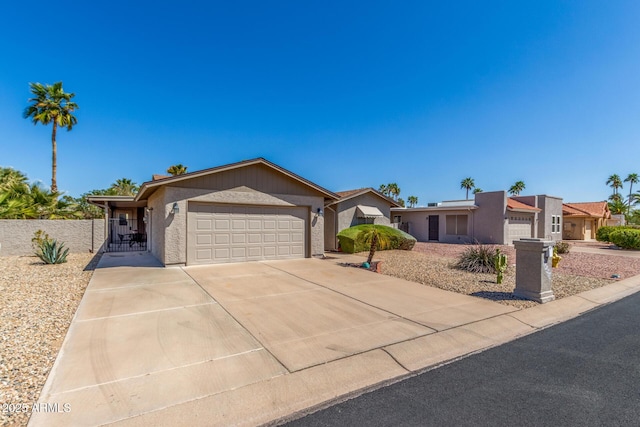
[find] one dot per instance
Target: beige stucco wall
(491, 225)
(77, 235)
(172, 245)
(419, 224)
(347, 215)
(550, 206)
(155, 232)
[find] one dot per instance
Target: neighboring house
(353, 207)
(582, 220)
(491, 217)
(245, 211)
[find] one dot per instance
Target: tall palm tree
(467, 184)
(413, 201)
(51, 104)
(124, 187)
(615, 197)
(394, 190)
(178, 169)
(632, 178)
(615, 182)
(517, 188)
(384, 190)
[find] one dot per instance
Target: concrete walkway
(250, 343)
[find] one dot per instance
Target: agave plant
(52, 252)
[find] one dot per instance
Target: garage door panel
(239, 238)
(222, 239)
(225, 233)
(222, 224)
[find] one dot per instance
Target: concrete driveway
(253, 342)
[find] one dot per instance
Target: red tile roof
(591, 209)
(516, 205)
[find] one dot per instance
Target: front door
(434, 227)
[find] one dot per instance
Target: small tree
(477, 190)
(375, 240)
(413, 201)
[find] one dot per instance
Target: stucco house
(245, 211)
(491, 217)
(353, 207)
(582, 220)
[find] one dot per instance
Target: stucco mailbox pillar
(533, 269)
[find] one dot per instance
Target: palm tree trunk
(630, 193)
(372, 250)
(54, 165)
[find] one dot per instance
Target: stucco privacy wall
(175, 225)
(84, 235)
(490, 218)
(347, 216)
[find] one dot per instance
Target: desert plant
(626, 238)
(562, 247)
(500, 264)
(375, 239)
(477, 259)
(39, 237)
(52, 252)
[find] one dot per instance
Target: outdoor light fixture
(319, 212)
(175, 209)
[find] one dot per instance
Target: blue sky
(346, 94)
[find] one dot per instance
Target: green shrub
(352, 239)
(562, 247)
(52, 252)
(626, 238)
(478, 259)
(602, 235)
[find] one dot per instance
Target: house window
(555, 223)
(457, 225)
(397, 219)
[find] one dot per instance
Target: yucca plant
(52, 252)
(477, 259)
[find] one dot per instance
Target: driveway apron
(148, 342)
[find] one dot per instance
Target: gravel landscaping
(39, 301)
(37, 305)
(432, 264)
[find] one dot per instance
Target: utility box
(533, 269)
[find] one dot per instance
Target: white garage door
(519, 227)
(227, 233)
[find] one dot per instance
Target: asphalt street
(584, 372)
